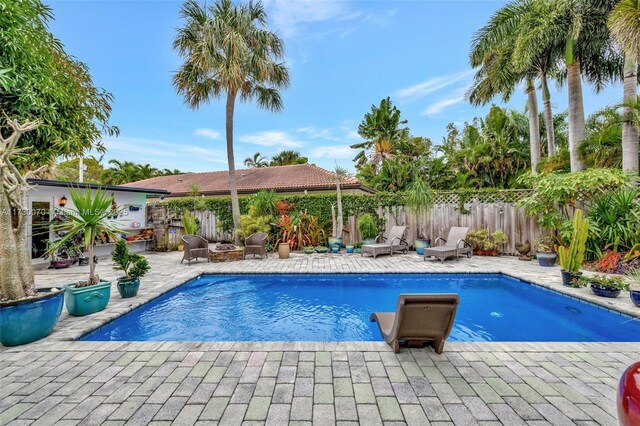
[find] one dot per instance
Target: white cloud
(208, 133)
(439, 106)
(162, 154)
(316, 133)
(289, 15)
(271, 138)
(431, 85)
(334, 151)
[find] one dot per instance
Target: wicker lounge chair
(256, 244)
(454, 246)
(195, 247)
(418, 318)
(396, 242)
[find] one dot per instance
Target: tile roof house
(299, 178)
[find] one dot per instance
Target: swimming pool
(336, 307)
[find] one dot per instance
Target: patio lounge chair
(195, 247)
(418, 318)
(396, 242)
(454, 246)
(256, 244)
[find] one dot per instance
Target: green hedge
(316, 205)
(319, 205)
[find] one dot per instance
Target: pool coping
(106, 316)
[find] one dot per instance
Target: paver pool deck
(61, 381)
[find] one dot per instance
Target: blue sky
(342, 56)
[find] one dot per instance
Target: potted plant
(134, 266)
(368, 229)
(544, 252)
(635, 293)
(419, 200)
(357, 247)
(604, 286)
(484, 243)
(62, 257)
(89, 218)
(309, 249)
(350, 248)
(321, 249)
(571, 257)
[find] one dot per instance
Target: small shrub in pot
(134, 266)
(602, 285)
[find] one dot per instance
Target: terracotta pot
(284, 250)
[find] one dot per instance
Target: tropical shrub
(251, 223)
(190, 223)
(367, 227)
(299, 230)
(263, 203)
(609, 261)
(615, 217)
(556, 194)
(482, 240)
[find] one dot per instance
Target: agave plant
(89, 218)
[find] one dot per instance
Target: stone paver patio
(60, 381)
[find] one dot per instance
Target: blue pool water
(329, 307)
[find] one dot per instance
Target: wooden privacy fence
(494, 211)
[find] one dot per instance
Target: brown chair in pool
(195, 247)
(418, 318)
(256, 244)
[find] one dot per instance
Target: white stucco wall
(54, 194)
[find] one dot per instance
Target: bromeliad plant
(571, 257)
(299, 230)
(88, 218)
(190, 223)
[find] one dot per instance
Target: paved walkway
(58, 381)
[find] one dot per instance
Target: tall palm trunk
(534, 125)
(339, 219)
(629, 128)
(577, 130)
(548, 116)
(233, 186)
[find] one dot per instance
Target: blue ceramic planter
(546, 259)
(350, 249)
(605, 291)
(334, 242)
(128, 287)
(87, 300)
(28, 320)
(420, 245)
(635, 297)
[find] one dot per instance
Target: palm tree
(624, 24)
(381, 130)
(258, 160)
(575, 33)
(492, 51)
(229, 52)
(287, 158)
